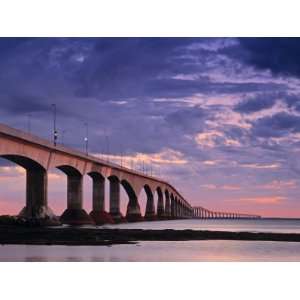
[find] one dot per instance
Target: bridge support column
(150, 208)
(133, 210)
(180, 210)
(75, 214)
(98, 214)
(160, 207)
(114, 200)
(36, 198)
(172, 208)
(175, 209)
(167, 206)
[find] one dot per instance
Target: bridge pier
(176, 208)
(36, 197)
(150, 207)
(114, 200)
(160, 206)
(98, 214)
(167, 205)
(133, 213)
(74, 214)
(172, 207)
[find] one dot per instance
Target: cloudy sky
(217, 117)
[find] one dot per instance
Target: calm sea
(174, 251)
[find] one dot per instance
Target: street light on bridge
(55, 134)
(86, 138)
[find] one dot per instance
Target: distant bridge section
(203, 213)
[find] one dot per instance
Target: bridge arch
(167, 204)
(176, 206)
(114, 198)
(36, 187)
(172, 199)
(160, 203)
(133, 212)
(74, 214)
(99, 213)
(150, 205)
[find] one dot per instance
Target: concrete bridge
(38, 156)
(203, 213)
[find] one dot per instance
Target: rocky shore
(36, 235)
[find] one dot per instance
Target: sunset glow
(217, 117)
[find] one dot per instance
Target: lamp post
(86, 138)
(55, 134)
(107, 146)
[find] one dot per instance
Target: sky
(219, 118)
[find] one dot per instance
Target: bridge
(37, 156)
(203, 213)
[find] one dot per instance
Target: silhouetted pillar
(133, 213)
(150, 207)
(98, 194)
(167, 205)
(114, 199)
(178, 209)
(36, 197)
(75, 214)
(172, 207)
(160, 206)
(98, 214)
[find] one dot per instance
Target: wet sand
(99, 236)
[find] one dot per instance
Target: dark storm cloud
(112, 82)
(182, 88)
(20, 104)
(122, 67)
(190, 120)
(293, 101)
(254, 104)
(277, 125)
(279, 55)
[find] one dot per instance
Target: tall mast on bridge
(55, 134)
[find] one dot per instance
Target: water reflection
(173, 251)
(158, 251)
(262, 225)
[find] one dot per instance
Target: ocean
(188, 251)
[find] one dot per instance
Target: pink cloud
(273, 200)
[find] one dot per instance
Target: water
(261, 225)
(174, 251)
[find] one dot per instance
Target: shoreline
(76, 236)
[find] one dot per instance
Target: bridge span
(203, 213)
(37, 156)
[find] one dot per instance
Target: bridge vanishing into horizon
(203, 213)
(37, 156)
